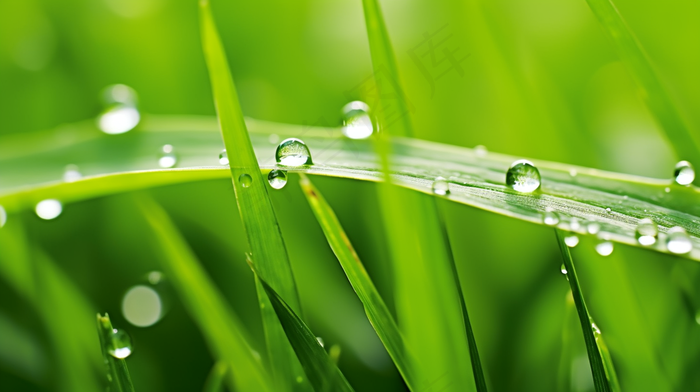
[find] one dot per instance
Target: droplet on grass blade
(118, 119)
(563, 269)
(71, 173)
(684, 173)
(48, 209)
(593, 228)
(678, 241)
(550, 218)
(223, 157)
(293, 152)
(523, 176)
(604, 248)
(119, 345)
(480, 151)
(571, 240)
(277, 178)
(357, 123)
(646, 232)
(245, 179)
(320, 341)
(440, 186)
(167, 157)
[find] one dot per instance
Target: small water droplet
(646, 232)
(119, 93)
(523, 176)
(604, 248)
(667, 190)
(480, 151)
(678, 241)
(575, 224)
(596, 330)
(119, 345)
(293, 152)
(277, 178)
(71, 173)
(441, 186)
(573, 172)
(320, 341)
(49, 209)
(563, 269)
(142, 306)
(550, 218)
(167, 158)
(3, 216)
(273, 138)
(593, 228)
(154, 277)
(571, 241)
(357, 123)
(608, 210)
(223, 157)
(245, 179)
(684, 173)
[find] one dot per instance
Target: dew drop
(646, 232)
(48, 209)
(320, 341)
(596, 330)
(573, 172)
(608, 210)
(571, 241)
(119, 93)
(277, 178)
(563, 269)
(3, 216)
(71, 173)
(523, 176)
(480, 151)
(575, 224)
(593, 228)
(357, 123)
(245, 179)
(119, 344)
(223, 157)
(667, 190)
(293, 152)
(167, 158)
(550, 218)
(273, 138)
(142, 306)
(441, 186)
(684, 174)
(678, 241)
(118, 119)
(604, 248)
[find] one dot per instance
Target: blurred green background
(538, 79)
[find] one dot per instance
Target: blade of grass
(216, 377)
(600, 374)
(118, 372)
(639, 65)
(222, 329)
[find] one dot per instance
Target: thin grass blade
(216, 378)
(119, 378)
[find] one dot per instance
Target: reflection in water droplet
(142, 306)
(646, 232)
(604, 248)
(571, 241)
(223, 157)
(3, 216)
(119, 119)
(293, 152)
(320, 341)
(441, 186)
(49, 209)
(593, 228)
(119, 345)
(677, 241)
(523, 176)
(684, 173)
(71, 173)
(167, 158)
(245, 180)
(551, 218)
(563, 269)
(357, 123)
(480, 151)
(277, 178)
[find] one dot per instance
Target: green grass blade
(322, 373)
(377, 312)
(119, 378)
(222, 329)
(600, 378)
(216, 378)
(653, 92)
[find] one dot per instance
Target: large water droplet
(142, 306)
(118, 119)
(49, 209)
(441, 186)
(357, 123)
(550, 218)
(646, 232)
(523, 176)
(277, 178)
(245, 180)
(71, 173)
(119, 345)
(677, 241)
(167, 158)
(293, 152)
(684, 174)
(571, 241)
(223, 157)
(604, 248)
(3, 216)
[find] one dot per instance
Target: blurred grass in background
(539, 80)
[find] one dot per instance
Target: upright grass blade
(259, 220)
(217, 375)
(653, 92)
(601, 379)
(322, 373)
(222, 329)
(119, 378)
(377, 312)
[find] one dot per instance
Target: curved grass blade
(377, 312)
(221, 328)
(119, 378)
(217, 375)
(601, 379)
(653, 92)
(318, 366)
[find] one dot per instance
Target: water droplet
(273, 138)
(118, 119)
(608, 210)
(119, 93)
(563, 269)
(575, 224)
(551, 218)
(320, 341)
(604, 248)
(357, 123)
(523, 176)
(223, 157)
(245, 180)
(678, 241)
(480, 151)
(593, 228)
(596, 330)
(667, 190)
(684, 174)
(167, 158)
(142, 306)
(119, 345)
(293, 152)
(154, 277)
(3, 216)
(49, 209)
(71, 173)
(441, 186)
(573, 172)
(277, 178)
(571, 241)
(646, 232)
